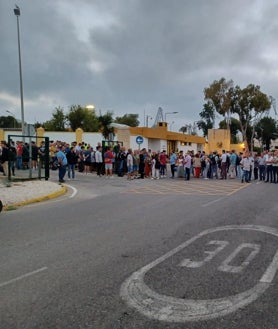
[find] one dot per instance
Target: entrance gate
(42, 170)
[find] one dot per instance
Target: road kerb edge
(49, 196)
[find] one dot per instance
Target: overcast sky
(133, 56)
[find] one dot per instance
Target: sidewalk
(19, 193)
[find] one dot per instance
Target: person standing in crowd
(62, 162)
(19, 152)
(206, 168)
(72, 161)
(224, 157)
(203, 163)
(87, 160)
(4, 157)
(239, 167)
(180, 169)
(129, 161)
(173, 161)
(256, 167)
(41, 153)
(246, 167)
(252, 166)
(275, 167)
(12, 156)
(268, 162)
(232, 168)
(108, 156)
(142, 163)
(261, 163)
(35, 154)
(25, 156)
(99, 160)
(80, 152)
(121, 161)
(157, 165)
(93, 159)
(163, 160)
(197, 165)
(148, 163)
(187, 165)
(214, 165)
(52, 152)
(135, 163)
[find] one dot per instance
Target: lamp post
(17, 14)
(90, 107)
(171, 124)
(169, 113)
(147, 120)
(13, 115)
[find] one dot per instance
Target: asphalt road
(143, 254)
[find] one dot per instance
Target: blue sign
(139, 140)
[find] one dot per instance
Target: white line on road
(72, 195)
(211, 202)
(74, 191)
(271, 270)
(167, 308)
(23, 276)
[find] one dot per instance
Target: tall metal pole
(17, 13)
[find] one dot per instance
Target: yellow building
(156, 139)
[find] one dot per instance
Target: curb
(50, 196)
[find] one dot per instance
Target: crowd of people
(139, 164)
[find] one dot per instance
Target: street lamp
(147, 120)
(90, 107)
(169, 113)
(171, 124)
(17, 14)
(13, 115)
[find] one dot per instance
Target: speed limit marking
(166, 308)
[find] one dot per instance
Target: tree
(218, 96)
(250, 104)
(9, 122)
(207, 116)
(234, 128)
(58, 121)
(104, 124)
(38, 124)
(266, 130)
(80, 117)
(183, 129)
(128, 119)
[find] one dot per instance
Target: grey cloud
(151, 53)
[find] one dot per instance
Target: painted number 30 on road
(160, 307)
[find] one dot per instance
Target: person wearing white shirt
(224, 164)
(246, 167)
(187, 165)
(99, 160)
(268, 162)
(275, 167)
(129, 162)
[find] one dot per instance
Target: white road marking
(74, 191)
(65, 197)
(226, 267)
(23, 276)
(211, 254)
(212, 202)
(271, 270)
(166, 308)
